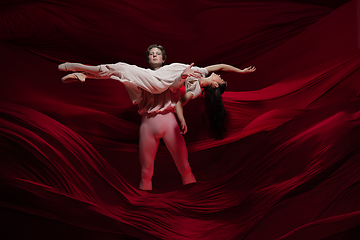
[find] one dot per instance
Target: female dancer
(213, 87)
(155, 92)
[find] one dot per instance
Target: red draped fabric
(287, 167)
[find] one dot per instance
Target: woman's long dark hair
(214, 108)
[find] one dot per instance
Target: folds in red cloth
(287, 167)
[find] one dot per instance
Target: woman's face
(155, 58)
(216, 80)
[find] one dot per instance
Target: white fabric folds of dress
(137, 79)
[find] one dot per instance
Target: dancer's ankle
(145, 185)
(188, 178)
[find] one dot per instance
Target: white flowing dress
(142, 83)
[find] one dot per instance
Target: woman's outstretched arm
(229, 68)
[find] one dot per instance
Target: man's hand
(111, 72)
(190, 72)
(183, 127)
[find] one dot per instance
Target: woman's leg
(148, 146)
(79, 67)
(81, 72)
(177, 147)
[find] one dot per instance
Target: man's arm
(179, 81)
(180, 113)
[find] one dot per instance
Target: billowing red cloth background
(287, 168)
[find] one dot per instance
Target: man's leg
(177, 147)
(148, 146)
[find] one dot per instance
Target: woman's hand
(249, 69)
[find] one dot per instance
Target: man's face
(155, 58)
